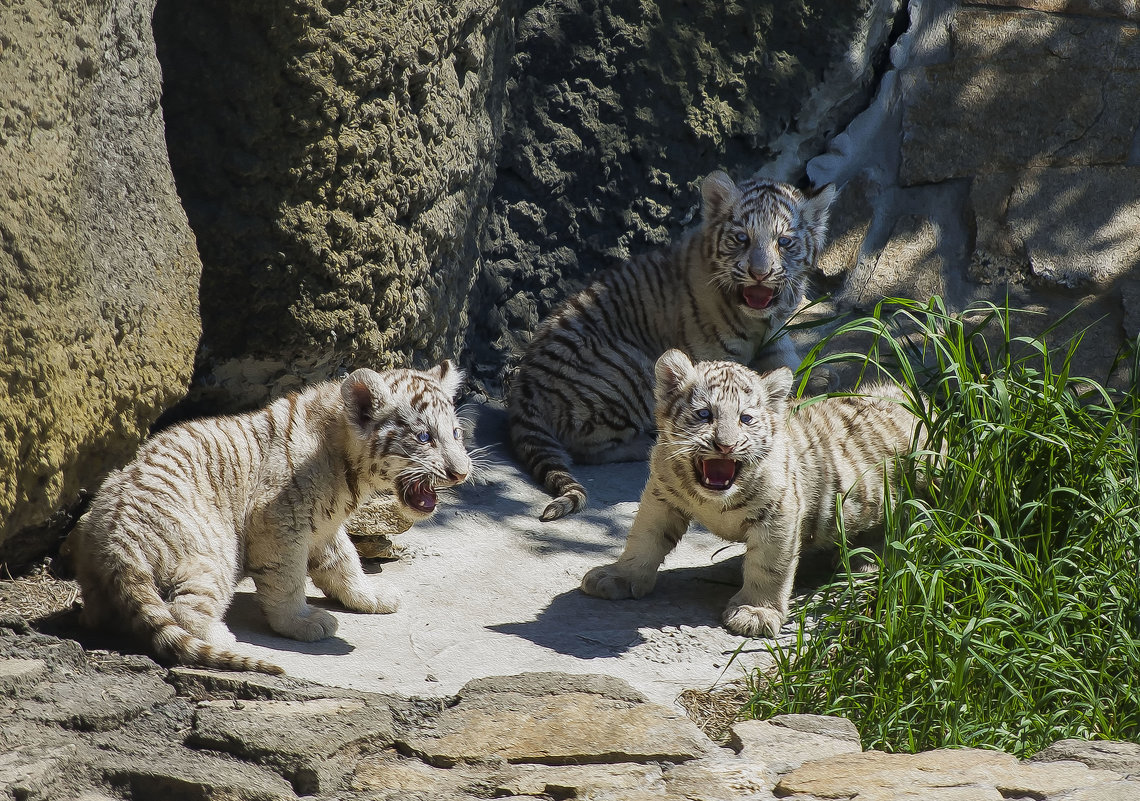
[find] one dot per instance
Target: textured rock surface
(617, 109)
(999, 159)
(228, 736)
(561, 730)
(98, 270)
(1120, 757)
(784, 748)
(945, 774)
(334, 160)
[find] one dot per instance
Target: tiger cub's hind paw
(614, 582)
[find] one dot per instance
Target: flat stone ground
(488, 589)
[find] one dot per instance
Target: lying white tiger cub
(732, 456)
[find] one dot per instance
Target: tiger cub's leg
(656, 530)
(199, 602)
(761, 606)
(335, 569)
(277, 566)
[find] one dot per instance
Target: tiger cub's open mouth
(716, 474)
(757, 296)
(419, 495)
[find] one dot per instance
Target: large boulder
(98, 268)
(1001, 159)
(334, 160)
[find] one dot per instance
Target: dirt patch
(37, 594)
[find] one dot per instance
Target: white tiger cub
(732, 456)
(263, 494)
(584, 387)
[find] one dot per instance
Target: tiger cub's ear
(778, 386)
(449, 376)
(815, 210)
(673, 371)
(719, 194)
(365, 395)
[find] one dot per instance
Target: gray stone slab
(986, 110)
(1123, 790)
(965, 773)
(1122, 757)
(30, 770)
(15, 673)
(298, 738)
(824, 725)
(181, 773)
(567, 729)
(781, 749)
(96, 701)
(1077, 226)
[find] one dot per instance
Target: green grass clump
(1006, 610)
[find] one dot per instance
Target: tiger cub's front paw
(310, 625)
(615, 582)
(753, 621)
(384, 601)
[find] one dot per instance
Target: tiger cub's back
(584, 387)
(848, 447)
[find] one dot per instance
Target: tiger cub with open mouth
(733, 456)
(263, 494)
(584, 387)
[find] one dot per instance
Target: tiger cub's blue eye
(742, 237)
(458, 434)
(746, 418)
(424, 437)
(704, 414)
(784, 241)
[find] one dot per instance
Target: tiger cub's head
(761, 237)
(717, 421)
(405, 420)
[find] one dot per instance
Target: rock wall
(334, 159)
(98, 269)
(616, 110)
(1001, 155)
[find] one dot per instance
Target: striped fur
(263, 494)
(584, 387)
(758, 472)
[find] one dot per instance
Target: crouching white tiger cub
(584, 388)
(263, 494)
(732, 456)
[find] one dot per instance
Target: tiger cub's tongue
(718, 474)
(421, 496)
(758, 296)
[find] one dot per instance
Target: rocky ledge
(96, 725)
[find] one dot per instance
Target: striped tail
(169, 639)
(549, 463)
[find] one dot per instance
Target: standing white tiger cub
(732, 456)
(263, 494)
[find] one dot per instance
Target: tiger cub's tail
(549, 463)
(168, 638)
